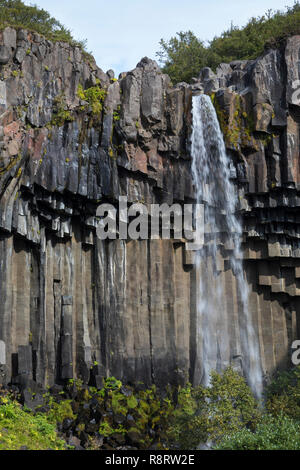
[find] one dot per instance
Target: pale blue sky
(121, 32)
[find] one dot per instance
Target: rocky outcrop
(71, 137)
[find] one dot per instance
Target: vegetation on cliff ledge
(183, 56)
(93, 96)
(16, 14)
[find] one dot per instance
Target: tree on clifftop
(183, 56)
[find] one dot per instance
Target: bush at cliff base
(279, 427)
(283, 394)
(228, 415)
(203, 414)
(272, 433)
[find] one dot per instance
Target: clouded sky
(121, 32)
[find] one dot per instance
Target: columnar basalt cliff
(257, 103)
(72, 137)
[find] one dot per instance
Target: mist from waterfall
(221, 341)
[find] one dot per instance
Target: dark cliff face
(72, 137)
(76, 306)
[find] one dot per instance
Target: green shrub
(272, 433)
(116, 114)
(283, 394)
(95, 97)
(230, 404)
(183, 56)
(188, 423)
(59, 411)
(204, 414)
(61, 114)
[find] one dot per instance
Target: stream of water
(222, 340)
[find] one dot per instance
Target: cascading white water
(221, 339)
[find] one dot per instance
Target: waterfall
(225, 337)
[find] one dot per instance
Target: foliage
(183, 56)
(225, 413)
(19, 429)
(237, 127)
(283, 394)
(225, 407)
(230, 404)
(147, 409)
(272, 433)
(106, 430)
(117, 114)
(279, 427)
(249, 42)
(188, 424)
(59, 411)
(61, 114)
(75, 382)
(94, 96)
(16, 14)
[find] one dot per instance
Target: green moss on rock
(94, 96)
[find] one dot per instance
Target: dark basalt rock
(74, 306)
(5, 54)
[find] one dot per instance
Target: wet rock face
(72, 137)
(258, 106)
